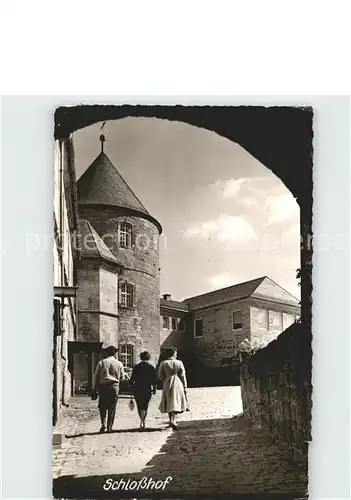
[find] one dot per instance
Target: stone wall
(140, 325)
(219, 342)
(276, 388)
(266, 334)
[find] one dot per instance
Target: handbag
(131, 404)
(94, 394)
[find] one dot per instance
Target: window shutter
(58, 322)
(134, 296)
(133, 239)
(119, 233)
(119, 294)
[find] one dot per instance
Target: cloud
(281, 208)
(221, 280)
(226, 228)
(266, 195)
(229, 188)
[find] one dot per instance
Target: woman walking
(172, 374)
(144, 382)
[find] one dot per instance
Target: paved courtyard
(213, 452)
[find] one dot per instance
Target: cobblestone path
(213, 452)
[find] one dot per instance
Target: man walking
(108, 374)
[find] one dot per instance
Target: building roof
(174, 305)
(92, 246)
(270, 290)
(102, 184)
(262, 288)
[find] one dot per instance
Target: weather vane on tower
(102, 137)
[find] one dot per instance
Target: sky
(226, 218)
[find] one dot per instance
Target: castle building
(98, 271)
(119, 277)
(65, 257)
(119, 293)
(207, 329)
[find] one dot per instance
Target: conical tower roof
(92, 246)
(102, 184)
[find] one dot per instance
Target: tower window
(125, 235)
(126, 355)
(127, 295)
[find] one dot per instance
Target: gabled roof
(270, 290)
(234, 292)
(173, 304)
(262, 288)
(92, 246)
(102, 184)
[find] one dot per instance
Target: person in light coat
(172, 374)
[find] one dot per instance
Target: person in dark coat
(143, 381)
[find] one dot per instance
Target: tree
(250, 347)
(298, 276)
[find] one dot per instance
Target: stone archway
(276, 136)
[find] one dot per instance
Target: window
(263, 319)
(288, 320)
(198, 328)
(126, 355)
(175, 323)
(237, 322)
(275, 320)
(127, 295)
(165, 322)
(125, 235)
(181, 325)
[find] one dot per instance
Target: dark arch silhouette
(279, 137)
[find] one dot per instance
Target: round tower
(132, 235)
